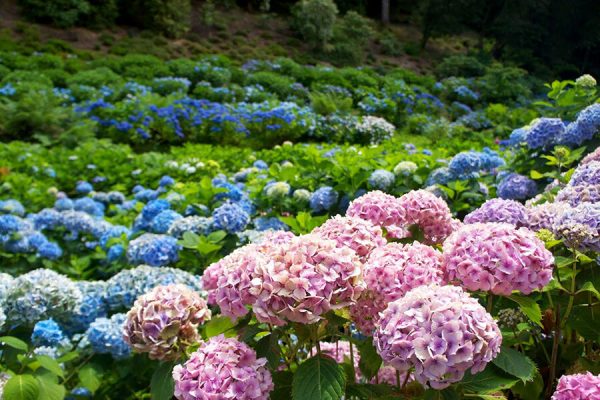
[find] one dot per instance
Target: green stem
(490, 303)
(572, 292)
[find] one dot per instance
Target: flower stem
(553, 360)
(572, 291)
(490, 303)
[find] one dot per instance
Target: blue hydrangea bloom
(440, 176)
(162, 222)
(266, 223)
(48, 218)
(153, 249)
(323, 199)
(146, 195)
(105, 336)
(115, 231)
(544, 132)
(465, 164)
(165, 181)
(9, 224)
(230, 217)
(93, 305)
(381, 179)
(584, 128)
(115, 252)
(516, 187)
(154, 207)
(89, 206)
(260, 164)
(50, 251)
(116, 197)
(12, 206)
(80, 392)
(84, 187)
(196, 224)
(63, 204)
(47, 333)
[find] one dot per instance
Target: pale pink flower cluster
(212, 273)
(430, 213)
(304, 279)
(497, 257)
(223, 369)
(578, 387)
(593, 156)
(340, 352)
(358, 234)
(440, 331)
(390, 272)
(164, 321)
(380, 209)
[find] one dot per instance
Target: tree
(385, 11)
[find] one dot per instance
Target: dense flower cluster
(497, 257)
(580, 226)
(516, 187)
(374, 130)
(380, 209)
(304, 279)
(381, 179)
(440, 331)
(225, 369)
(430, 213)
(105, 336)
(545, 215)
(390, 272)
(578, 387)
(323, 199)
(543, 132)
(164, 321)
(586, 174)
(352, 232)
(153, 249)
(575, 195)
(230, 217)
(499, 210)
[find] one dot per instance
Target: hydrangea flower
(405, 168)
(463, 165)
(272, 223)
(545, 215)
(164, 321)
(575, 195)
(194, 224)
(84, 187)
(301, 195)
(586, 174)
(305, 278)
(390, 272)
(578, 387)
(230, 217)
(380, 209)
(92, 306)
(374, 130)
(223, 368)
(440, 331)
(497, 257)
(381, 179)
(544, 132)
(123, 288)
(105, 336)
(89, 206)
(323, 199)
(499, 210)
(47, 333)
(580, 226)
(152, 249)
(153, 208)
(586, 81)
(593, 156)
(352, 232)
(277, 190)
(12, 206)
(163, 221)
(430, 213)
(166, 181)
(40, 294)
(516, 187)
(440, 176)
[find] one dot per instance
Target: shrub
(169, 17)
(329, 103)
(276, 83)
(62, 13)
(314, 20)
(502, 84)
(460, 65)
(390, 44)
(95, 78)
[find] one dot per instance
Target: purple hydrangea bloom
(499, 210)
(516, 187)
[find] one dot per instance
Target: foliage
(314, 20)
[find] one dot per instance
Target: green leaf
(586, 321)
(529, 307)
(162, 384)
(217, 326)
(282, 380)
(216, 236)
(14, 343)
(207, 248)
(562, 262)
(70, 356)
(50, 390)
(22, 387)
(190, 240)
(51, 365)
(535, 175)
(90, 376)
(268, 347)
(446, 394)
(491, 379)
(319, 378)
(370, 361)
(368, 391)
(530, 390)
(589, 287)
(515, 364)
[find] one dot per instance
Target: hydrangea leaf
(515, 364)
(162, 384)
(319, 378)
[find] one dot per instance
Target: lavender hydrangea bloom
(516, 187)
(545, 215)
(440, 331)
(575, 195)
(499, 210)
(586, 174)
(580, 226)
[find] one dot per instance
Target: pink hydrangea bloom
(212, 273)
(499, 210)
(390, 272)
(358, 234)
(340, 352)
(380, 209)
(233, 292)
(430, 213)
(223, 369)
(497, 257)
(440, 331)
(164, 321)
(578, 387)
(276, 237)
(545, 215)
(304, 279)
